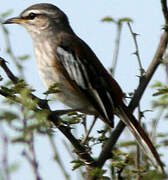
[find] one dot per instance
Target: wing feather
(88, 80)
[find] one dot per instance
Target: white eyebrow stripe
(26, 13)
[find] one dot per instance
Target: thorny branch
(134, 35)
(138, 154)
(109, 145)
(52, 117)
(32, 160)
(85, 140)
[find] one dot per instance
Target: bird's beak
(16, 20)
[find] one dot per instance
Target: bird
(66, 60)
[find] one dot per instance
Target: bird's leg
(85, 140)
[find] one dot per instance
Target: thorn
(136, 34)
(135, 53)
(2, 60)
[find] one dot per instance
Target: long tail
(143, 140)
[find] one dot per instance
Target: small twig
(117, 45)
(5, 160)
(85, 140)
(34, 161)
(155, 124)
(84, 123)
(33, 164)
(11, 76)
(138, 152)
(57, 158)
(120, 170)
(134, 35)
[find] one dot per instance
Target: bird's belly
(67, 95)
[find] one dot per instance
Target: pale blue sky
(85, 18)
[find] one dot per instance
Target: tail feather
(143, 140)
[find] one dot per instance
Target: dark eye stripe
(32, 15)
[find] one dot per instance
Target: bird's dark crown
(44, 8)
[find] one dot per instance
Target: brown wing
(88, 74)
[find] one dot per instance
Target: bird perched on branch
(63, 58)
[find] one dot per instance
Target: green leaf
(8, 90)
(153, 175)
(160, 103)
(77, 164)
(16, 88)
(119, 164)
(127, 144)
(7, 13)
(102, 138)
(20, 139)
(162, 135)
(97, 172)
(118, 153)
(23, 58)
(7, 115)
(107, 19)
(157, 84)
(53, 89)
(13, 167)
(73, 118)
(125, 19)
(161, 91)
(42, 115)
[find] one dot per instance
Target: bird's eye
(32, 15)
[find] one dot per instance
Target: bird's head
(39, 17)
